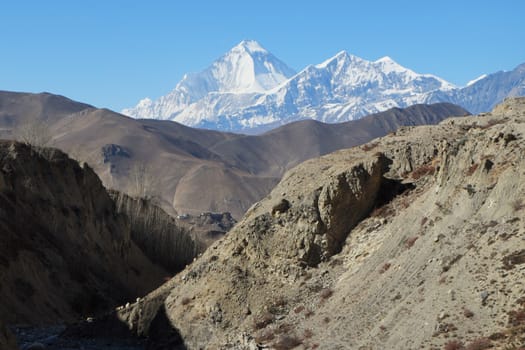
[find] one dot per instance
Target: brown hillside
(191, 170)
(413, 241)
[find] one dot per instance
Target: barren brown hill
(192, 170)
(413, 241)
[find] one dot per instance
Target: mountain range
(189, 170)
(249, 90)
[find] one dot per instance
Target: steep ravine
(66, 252)
(412, 241)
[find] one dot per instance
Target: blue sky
(111, 53)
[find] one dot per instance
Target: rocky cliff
(412, 241)
(65, 250)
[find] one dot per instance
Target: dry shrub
(326, 293)
(308, 333)
(517, 205)
(516, 318)
(479, 344)
(454, 345)
(467, 313)
(472, 169)
(385, 267)
(409, 242)
(326, 319)
(265, 336)
(298, 309)
(287, 342)
(423, 170)
(369, 146)
(264, 320)
(185, 301)
(308, 313)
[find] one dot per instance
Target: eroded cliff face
(65, 251)
(157, 234)
(413, 241)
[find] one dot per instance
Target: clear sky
(111, 53)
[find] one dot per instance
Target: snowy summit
(250, 90)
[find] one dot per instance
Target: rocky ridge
(412, 241)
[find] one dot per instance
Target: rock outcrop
(65, 250)
(413, 241)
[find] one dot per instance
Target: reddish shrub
(479, 344)
(385, 267)
(454, 345)
(409, 242)
(423, 170)
(326, 293)
(516, 318)
(472, 169)
(298, 309)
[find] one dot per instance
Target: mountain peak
(341, 56)
(250, 46)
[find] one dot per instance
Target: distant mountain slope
(342, 88)
(195, 170)
(486, 92)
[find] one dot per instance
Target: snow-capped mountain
(250, 90)
(484, 93)
(246, 69)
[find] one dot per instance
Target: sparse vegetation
(287, 342)
(423, 170)
(454, 345)
(326, 293)
(472, 169)
(467, 313)
(36, 133)
(479, 344)
(410, 241)
(384, 268)
(298, 309)
(518, 205)
(265, 336)
(263, 321)
(369, 146)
